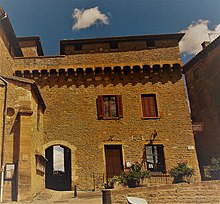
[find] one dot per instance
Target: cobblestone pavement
(50, 196)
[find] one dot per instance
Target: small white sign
(190, 147)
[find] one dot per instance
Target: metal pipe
(3, 137)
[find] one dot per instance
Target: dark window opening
(113, 45)
(149, 105)
(109, 106)
(38, 117)
(78, 46)
(150, 43)
(155, 158)
(196, 74)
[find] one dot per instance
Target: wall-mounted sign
(128, 164)
(137, 137)
(9, 171)
(40, 163)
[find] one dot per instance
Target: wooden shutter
(152, 105)
(149, 106)
(144, 105)
(120, 108)
(161, 159)
(100, 107)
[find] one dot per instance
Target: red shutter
(144, 105)
(149, 107)
(151, 103)
(100, 107)
(120, 108)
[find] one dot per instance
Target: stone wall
(205, 192)
(6, 62)
(71, 115)
(22, 142)
(144, 57)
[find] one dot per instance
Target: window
(78, 46)
(38, 117)
(196, 74)
(155, 158)
(109, 106)
(149, 105)
(150, 43)
(113, 45)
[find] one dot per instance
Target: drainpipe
(3, 137)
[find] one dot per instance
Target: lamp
(153, 135)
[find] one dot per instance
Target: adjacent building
(202, 77)
(83, 116)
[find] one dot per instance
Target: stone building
(101, 104)
(202, 77)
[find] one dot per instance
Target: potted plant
(112, 181)
(214, 168)
(133, 175)
(182, 173)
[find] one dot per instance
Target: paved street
(50, 196)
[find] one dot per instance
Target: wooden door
(114, 163)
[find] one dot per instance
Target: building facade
(101, 104)
(202, 76)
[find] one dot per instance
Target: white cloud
(86, 18)
(195, 35)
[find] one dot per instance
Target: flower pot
(132, 183)
(182, 179)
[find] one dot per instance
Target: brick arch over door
(73, 155)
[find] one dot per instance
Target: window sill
(150, 118)
(110, 118)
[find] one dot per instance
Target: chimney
(205, 44)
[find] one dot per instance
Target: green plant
(133, 175)
(182, 169)
(214, 168)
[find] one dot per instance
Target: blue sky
(52, 20)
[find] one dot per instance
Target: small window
(150, 43)
(113, 45)
(149, 105)
(109, 106)
(78, 46)
(196, 74)
(38, 117)
(155, 158)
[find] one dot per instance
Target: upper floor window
(149, 105)
(109, 106)
(196, 74)
(38, 117)
(78, 46)
(155, 158)
(150, 43)
(113, 45)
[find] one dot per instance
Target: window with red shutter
(149, 105)
(100, 107)
(109, 106)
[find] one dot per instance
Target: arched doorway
(58, 168)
